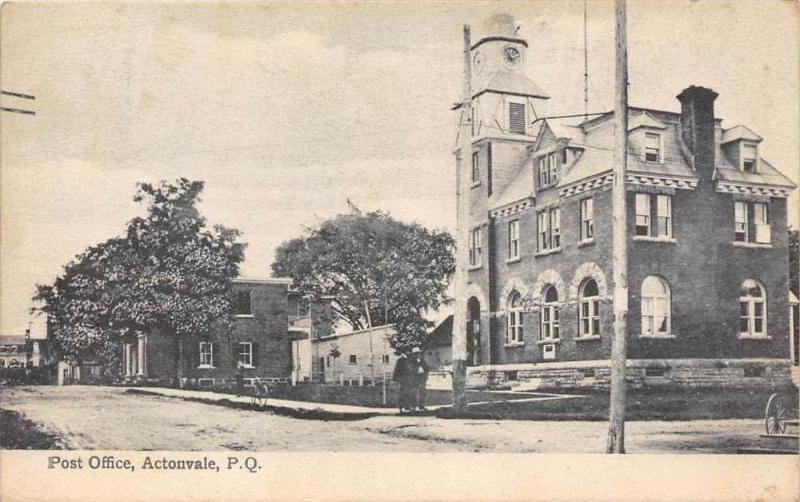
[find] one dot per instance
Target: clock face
(477, 62)
(511, 57)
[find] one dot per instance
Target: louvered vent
(516, 118)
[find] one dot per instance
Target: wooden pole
(616, 426)
(462, 229)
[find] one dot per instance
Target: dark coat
(419, 370)
(403, 371)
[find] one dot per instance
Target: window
(516, 118)
(242, 303)
(549, 328)
(353, 359)
(642, 214)
(543, 224)
(740, 221)
(246, 354)
(564, 156)
(589, 313)
(513, 240)
(476, 173)
(386, 359)
(749, 156)
(549, 227)
(587, 219)
(752, 309)
(207, 354)
(652, 147)
(663, 216)
(547, 169)
(555, 228)
(661, 206)
(751, 222)
(475, 247)
(656, 307)
(515, 322)
(761, 223)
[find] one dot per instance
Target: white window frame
(740, 222)
(744, 147)
(664, 216)
(245, 357)
(475, 175)
(549, 318)
(352, 360)
(552, 167)
(750, 303)
(543, 171)
(206, 355)
(543, 230)
(642, 207)
(589, 312)
(513, 240)
(555, 228)
(587, 219)
(515, 319)
(655, 308)
(762, 231)
(475, 258)
(649, 149)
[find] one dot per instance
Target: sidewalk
(305, 406)
(283, 404)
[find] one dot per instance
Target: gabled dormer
(740, 145)
(646, 136)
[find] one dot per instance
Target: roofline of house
(357, 332)
(498, 39)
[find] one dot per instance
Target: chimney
(697, 127)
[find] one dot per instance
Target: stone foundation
(758, 373)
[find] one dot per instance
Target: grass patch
(19, 433)
(650, 404)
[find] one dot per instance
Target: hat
(415, 350)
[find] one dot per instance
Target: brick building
(707, 241)
(268, 316)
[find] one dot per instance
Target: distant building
(268, 316)
(363, 356)
(19, 352)
(707, 240)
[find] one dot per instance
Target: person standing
(420, 376)
(403, 377)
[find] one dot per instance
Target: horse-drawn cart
(782, 416)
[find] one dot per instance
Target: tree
(168, 272)
(398, 271)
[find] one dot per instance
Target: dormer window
(547, 170)
(516, 118)
(749, 156)
(652, 147)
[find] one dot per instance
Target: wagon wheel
(775, 415)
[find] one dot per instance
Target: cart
(781, 416)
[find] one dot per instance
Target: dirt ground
(107, 418)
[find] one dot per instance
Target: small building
(268, 317)
(356, 357)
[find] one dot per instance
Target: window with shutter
(516, 118)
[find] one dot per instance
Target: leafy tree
(372, 262)
(168, 271)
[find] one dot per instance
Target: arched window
(514, 331)
(752, 309)
(656, 307)
(589, 310)
(550, 314)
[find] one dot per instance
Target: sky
(289, 110)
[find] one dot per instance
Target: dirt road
(107, 418)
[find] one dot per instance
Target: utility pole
(616, 425)
(460, 312)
